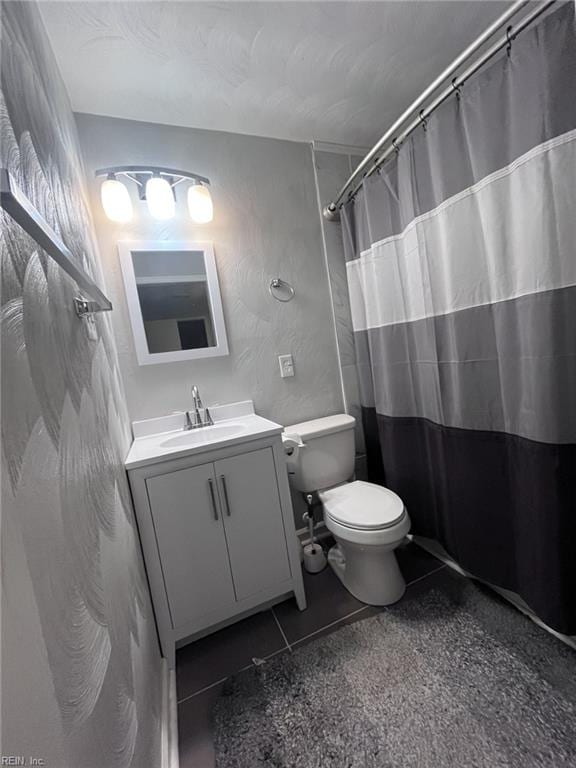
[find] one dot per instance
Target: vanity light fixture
(156, 186)
(200, 204)
(160, 198)
(116, 199)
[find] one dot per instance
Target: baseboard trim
(170, 757)
(438, 551)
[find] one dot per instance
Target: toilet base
(369, 573)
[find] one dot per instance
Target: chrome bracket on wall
(85, 307)
(17, 205)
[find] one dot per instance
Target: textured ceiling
(330, 71)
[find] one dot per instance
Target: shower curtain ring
(509, 37)
(395, 145)
(423, 120)
(458, 88)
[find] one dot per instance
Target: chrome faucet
(196, 397)
(198, 420)
(197, 400)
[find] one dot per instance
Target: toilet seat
(362, 506)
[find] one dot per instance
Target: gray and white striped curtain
(461, 262)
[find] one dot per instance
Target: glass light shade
(116, 200)
(160, 198)
(200, 204)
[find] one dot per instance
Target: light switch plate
(286, 366)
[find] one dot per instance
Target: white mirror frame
(125, 249)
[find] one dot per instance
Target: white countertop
(151, 448)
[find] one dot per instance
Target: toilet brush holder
(314, 558)
(313, 554)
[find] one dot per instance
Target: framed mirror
(173, 300)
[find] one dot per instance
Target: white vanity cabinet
(253, 521)
(218, 536)
(191, 542)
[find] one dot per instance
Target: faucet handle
(208, 420)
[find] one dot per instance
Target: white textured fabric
(451, 258)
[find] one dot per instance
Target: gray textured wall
(332, 170)
(81, 682)
(266, 224)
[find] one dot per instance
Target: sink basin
(204, 435)
(162, 439)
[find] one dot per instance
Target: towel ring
(281, 285)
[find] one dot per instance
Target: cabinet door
(253, 521)
(191, 542)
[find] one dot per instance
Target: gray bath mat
(450, 677)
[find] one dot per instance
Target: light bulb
(116, 200)
(200, 204)
(160, 198)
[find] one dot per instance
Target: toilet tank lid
(320, 427)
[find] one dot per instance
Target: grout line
(332, 623)
(281, 630)
(364, 608)
(235, 672)
(425, 576)
(289, 646)
(264, 658)
(206, 688)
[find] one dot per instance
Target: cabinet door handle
(213, 498)
(225, 490)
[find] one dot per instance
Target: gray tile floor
(202, 667)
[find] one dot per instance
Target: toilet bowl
(367, 521)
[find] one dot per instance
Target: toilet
(367, 521)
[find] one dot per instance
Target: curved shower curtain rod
(390, 142)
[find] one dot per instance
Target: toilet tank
(320, 453)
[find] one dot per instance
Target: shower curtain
(461, 263)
